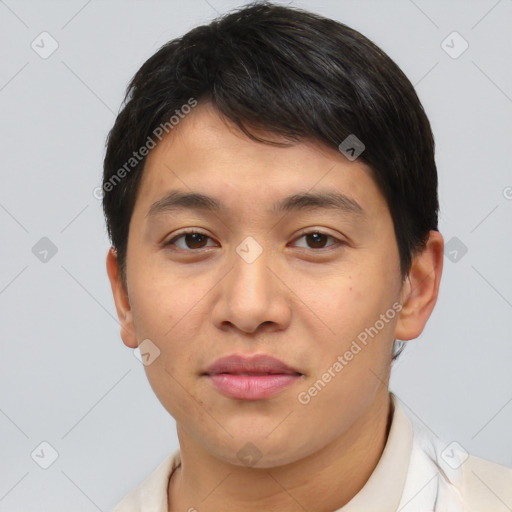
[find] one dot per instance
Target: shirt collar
(384, 488)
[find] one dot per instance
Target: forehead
(209, 155)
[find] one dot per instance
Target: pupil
(316, 239)
(196, 238)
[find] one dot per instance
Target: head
(301, 250)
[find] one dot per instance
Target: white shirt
(416, 473)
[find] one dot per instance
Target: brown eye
(195, 240)
(190, 240)
(317, 240)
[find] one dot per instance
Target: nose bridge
(250, 295)
(251, 278)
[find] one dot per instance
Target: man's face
(304, 299)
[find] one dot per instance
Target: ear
(420, 289)
(121, 300)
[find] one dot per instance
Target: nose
(252, 296)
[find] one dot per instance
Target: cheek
(161, 303)
(168, 311)
(350, 304)
(154, 312)
(360, 311)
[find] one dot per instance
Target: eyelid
(178, 235)
(309, 231)
(306, 231)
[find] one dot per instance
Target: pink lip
(251, 377)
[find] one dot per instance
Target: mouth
(251, 377)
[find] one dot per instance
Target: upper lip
(254, 364)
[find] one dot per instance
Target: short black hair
(295, 74)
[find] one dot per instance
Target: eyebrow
(177, 200)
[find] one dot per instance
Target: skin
(300, 302)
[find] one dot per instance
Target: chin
(260, 451)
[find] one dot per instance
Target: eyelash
(172, 241)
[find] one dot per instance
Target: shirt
(416, 473)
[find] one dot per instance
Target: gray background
(66, 377)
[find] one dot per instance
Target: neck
(326, 480)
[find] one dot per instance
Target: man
(270, 191)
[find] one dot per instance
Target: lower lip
(251, 387)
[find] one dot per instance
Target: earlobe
(122, 303)
(421, 288)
